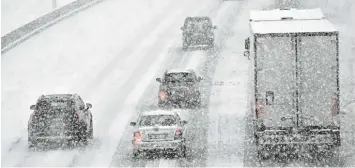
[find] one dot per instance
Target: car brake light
(260, 106)
(137, 137)
(178, 134)
(163, 95)
(335, 105)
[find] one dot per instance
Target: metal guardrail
(30, 29)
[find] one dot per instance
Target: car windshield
(157, 120)
(59, 104)
(179, 78)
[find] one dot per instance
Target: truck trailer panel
(318, 80)
(275, 80)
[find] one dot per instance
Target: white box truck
(294, 80)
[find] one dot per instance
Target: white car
(160, 130)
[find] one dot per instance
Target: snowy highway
(110, 55)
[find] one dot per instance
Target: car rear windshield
(157, 120)
(64, 105)
(179, 77)
(198, 24)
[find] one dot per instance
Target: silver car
(159, 130)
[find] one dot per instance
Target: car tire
(84, 137)
(185, 45)
(136, 154)
(182, 151)
(91, 132)
(211, 45)
(197, 102)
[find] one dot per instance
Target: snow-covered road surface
(111, 54)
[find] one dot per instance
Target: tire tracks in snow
(137, 73)
(123, 153)
(207, 70)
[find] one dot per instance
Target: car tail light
(335, 105)
(137, 137)
(178, 134)
(260, 108)
(163, 95)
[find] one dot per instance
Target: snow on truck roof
(277, 14)
(296, 26)
(297, 21)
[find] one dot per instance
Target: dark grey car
(198, 31)
(179, 87)
(59, 119)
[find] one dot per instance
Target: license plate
(157, 136)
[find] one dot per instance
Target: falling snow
(101, 76)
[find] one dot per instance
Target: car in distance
(60, 119)
(179, 87)
(198, 30)
(159, 131)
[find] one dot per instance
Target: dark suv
(179, 87)
(198, 31)
(59, 118)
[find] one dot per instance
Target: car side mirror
(214, 27)
(158, 79)
(133, 123)
(183, 122)
(88, 105)
(33, 107)
(199, 78)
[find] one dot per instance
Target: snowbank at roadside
(16, 13)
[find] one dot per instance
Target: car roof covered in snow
(179, 70)
(277, 14)
(296, 21)
(57, 96)
(159, 112)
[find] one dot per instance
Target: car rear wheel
(185, 44)
(182, 151)
(136, 154)
(91, 132)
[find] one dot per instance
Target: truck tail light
(163, 95)
(178, 134)
(260, 108)
(335, 105)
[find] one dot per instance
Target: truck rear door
(275, 81)
(318, 80)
